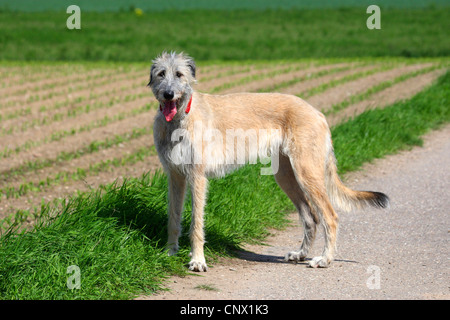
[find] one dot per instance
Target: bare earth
(404, 249)
(104, 85)
(399, 253)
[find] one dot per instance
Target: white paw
(198, 265)
(319, 262)
(294, 256)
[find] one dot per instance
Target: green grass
(92, 232)
(206, 287)
(116, 234)
(375, 133)
(225, 35)
(155, 5)
(90, 229)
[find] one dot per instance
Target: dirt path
(400, 253)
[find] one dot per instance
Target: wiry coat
(205, 143)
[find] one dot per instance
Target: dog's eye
(162, 74)
(179, 74)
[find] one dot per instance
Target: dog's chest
(171, 142)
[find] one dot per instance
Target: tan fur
(300, 138)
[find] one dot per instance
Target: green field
(116, 234)
(74, 108)
(225, 35)
(155, 5)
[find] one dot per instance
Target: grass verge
(116, 234)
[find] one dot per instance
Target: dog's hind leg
(177, 188)
(310, 174)
(285, 178)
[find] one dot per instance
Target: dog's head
(171, 78)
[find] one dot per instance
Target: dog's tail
(346, 198)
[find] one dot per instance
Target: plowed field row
(68, 129)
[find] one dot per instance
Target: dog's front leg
(199, 186)
(177, 188)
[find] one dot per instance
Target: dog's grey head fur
(171, 78)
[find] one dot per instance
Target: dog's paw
(198, 265)
(172, 250)
(319, 262)
(295, 256)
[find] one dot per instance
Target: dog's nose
(168, 95)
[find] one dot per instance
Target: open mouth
(169, 109)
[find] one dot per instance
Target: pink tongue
(170, 110)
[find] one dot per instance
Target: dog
(189, 131)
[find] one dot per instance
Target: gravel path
(400, 253)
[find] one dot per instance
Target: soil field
(71, 127)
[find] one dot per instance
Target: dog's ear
(191, 65)
(151, 75)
